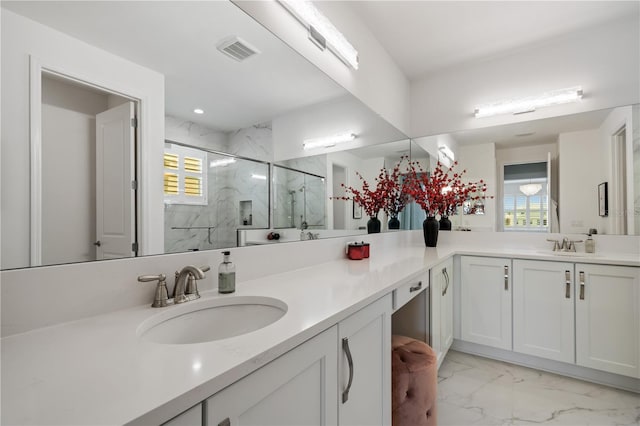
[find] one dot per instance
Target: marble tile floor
(478, 391)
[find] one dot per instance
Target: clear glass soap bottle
(226, 275)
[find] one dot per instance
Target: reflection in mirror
(209, 195)
(572, 155)
(298, 199)
(160, 61)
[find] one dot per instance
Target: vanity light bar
(318, 24)
(222, 162)
(530, 104)
(328, 141)
(260, 177)
(446, 156)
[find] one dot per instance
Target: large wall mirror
(547, 175)
(138, 128)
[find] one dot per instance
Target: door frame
(37, 69)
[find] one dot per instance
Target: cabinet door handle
(347, 351)
(415, 287)
(446, 278)
(567, 282)
(506, 278)
(225, 422)
(581, 285)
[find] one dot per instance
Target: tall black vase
(373, 225)
(445, 223)
(430, 229)
(394, 223)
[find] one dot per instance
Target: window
(185, 179)
(522, 212)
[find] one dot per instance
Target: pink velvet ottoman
(414, 377)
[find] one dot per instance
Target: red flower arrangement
(389, 194)
(443, 190)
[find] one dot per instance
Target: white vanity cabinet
(608, 318)
(365, 366)
(543, 309)
(191, 417)
(298, 388)
(441, 285)
(485, 297)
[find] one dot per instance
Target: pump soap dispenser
(226, 275)
(590, 244)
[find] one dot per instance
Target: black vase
(430, 229)
(445, 223)
(394, 223)
(373, 225)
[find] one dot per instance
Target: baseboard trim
(577, 372)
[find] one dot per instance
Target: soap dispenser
(226, 275)
(590, 244)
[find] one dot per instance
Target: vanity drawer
(409, 290)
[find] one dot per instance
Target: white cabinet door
(486, 301)
(441, 284)
(191, 417)
(543, 309)
(608, 318)
(365, 366)
(299, 388)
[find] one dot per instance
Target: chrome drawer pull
(506, 278)
(415, 287)
(347, 351)
(567, 281)
(581, 285)
(446, 278)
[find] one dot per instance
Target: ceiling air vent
(237, 48)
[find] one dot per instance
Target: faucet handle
(161, 298)
(556, 244)
(192, 286)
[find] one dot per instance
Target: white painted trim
(35, 164)
(571, 370)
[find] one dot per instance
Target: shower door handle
(97, 243)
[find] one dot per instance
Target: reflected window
(526, 197)
(185, 181)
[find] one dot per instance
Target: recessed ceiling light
(198, 111)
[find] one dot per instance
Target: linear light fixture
(321, 31)
(328, 141)
(259, 177)
(531, 103)
(446, 156)
(222, 162)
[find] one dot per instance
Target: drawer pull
(581, 285)
(347, 352)
(506, 278)
(415, 287)
(567, 281)
(446, 279)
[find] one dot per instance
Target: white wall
(479, 161)
(22, 38)
(581, 171)
(378, 82)
(605, 61)
(68, 171)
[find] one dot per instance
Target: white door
(299, 388)
(364, 378)
(543, 309)
(486, 301)
(608, 318)
(115, 195)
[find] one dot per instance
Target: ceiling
(178, 39)
(425, 36)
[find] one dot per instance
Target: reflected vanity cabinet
(341, 376)
(441, 285)
(485, 298)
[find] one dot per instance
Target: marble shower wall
(228, 186)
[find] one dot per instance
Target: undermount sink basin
(568, 253)
(212, 319)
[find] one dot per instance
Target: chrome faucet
(567, 245)
(186, 288)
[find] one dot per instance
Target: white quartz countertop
(98, 371)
